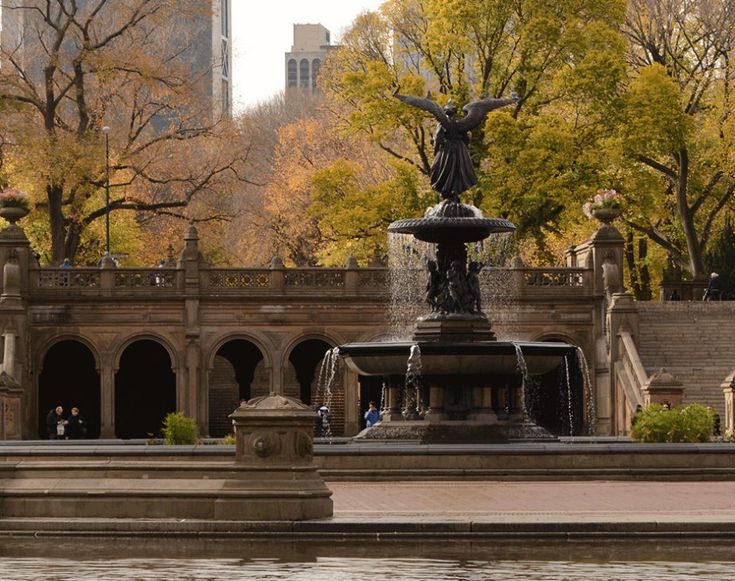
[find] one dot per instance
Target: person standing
(56, 424)
(372, 415)
(76, 428)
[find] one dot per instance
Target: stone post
(10, 408)
(662, 387)
(351, 275)
(391, 411)
(728, 388)
(435, 413)
(191, 262)
(622, 315)
(18, 405)
(278, 276)
(274, 443)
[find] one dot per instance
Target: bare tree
(70, 68)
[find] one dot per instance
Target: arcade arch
(145, 389)
(238, 371)
(69, 378)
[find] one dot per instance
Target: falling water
(412, 386)
(570, 409)
(590, 411)
(525, 378)
(325, 384)
(408, 277)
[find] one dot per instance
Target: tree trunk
(696, 261)
(645, 275)
(56, 222)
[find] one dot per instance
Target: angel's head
(450, 109)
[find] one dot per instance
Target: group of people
(63, 427)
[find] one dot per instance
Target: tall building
(205, 42)
(311, 43)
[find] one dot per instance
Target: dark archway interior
(145, 390)
(69, 379)
(556, 404)
(306, 358)
(230, 381)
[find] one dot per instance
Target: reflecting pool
(113, 559)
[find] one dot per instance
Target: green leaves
(685, 423)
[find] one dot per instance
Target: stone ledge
(347, 529)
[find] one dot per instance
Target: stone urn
(606, 214)
(13, 213)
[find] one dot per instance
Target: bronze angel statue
(452, 171)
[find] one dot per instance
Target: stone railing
(95, 280)
(630, 379)
(526, 282)
(565, 282)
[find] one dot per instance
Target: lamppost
(106, 130)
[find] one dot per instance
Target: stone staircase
(695, 341)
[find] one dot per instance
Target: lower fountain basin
(441, 358)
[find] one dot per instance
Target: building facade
(202, 39)
(311, 44)
(129, 345)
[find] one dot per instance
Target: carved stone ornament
(264, 444)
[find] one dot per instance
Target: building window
(292, 74)
(304, 73)
(225, 59)
(225, 17)
(315, 64)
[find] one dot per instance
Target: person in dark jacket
(56, 424)
(714, 290)
(76, 428)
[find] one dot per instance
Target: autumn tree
(76, 67)
(564, 59)
(674, 144)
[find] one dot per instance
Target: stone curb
(355, 530)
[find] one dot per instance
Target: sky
(262, 31)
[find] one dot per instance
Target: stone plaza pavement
(536, 502)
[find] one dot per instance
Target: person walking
(714, 290)
(76, 428)
(56, 424)
(372, 415)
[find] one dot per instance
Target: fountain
(474, 385)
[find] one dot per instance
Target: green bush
(178, 429)
(688, 423)
(228, 440)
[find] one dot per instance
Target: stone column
(9, 352)
(435, 413)
(107, 396)
(188, 385)
(728, 389)
(392, 410)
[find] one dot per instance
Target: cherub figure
(473, 282)
(434, 286)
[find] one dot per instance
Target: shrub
(689, 423)
(178, 429)
(228, 440)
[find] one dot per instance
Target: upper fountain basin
(452, 221)
(442, 229)
(443, 358)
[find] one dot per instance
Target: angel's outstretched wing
(427, 105)
(477, 110)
